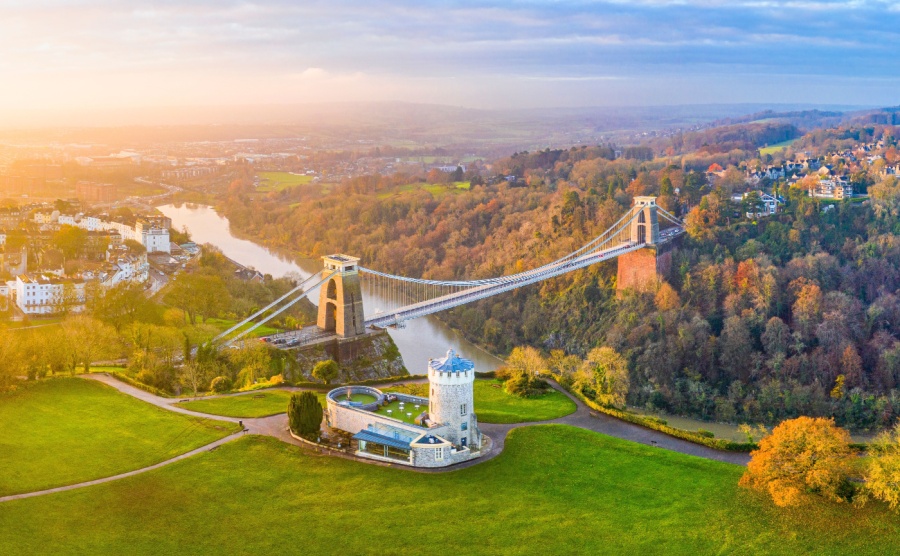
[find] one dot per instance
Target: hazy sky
(88, 55)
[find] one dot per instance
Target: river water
(422, 338)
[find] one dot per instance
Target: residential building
(45, 295)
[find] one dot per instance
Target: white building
(154, 237)
(44, 295)
(832, 189)
(443, 434)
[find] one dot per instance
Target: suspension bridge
(343, 282)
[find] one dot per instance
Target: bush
(525, 385)
(706, 433)
(305, 413)
(220, 384)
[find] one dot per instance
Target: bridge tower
(644, 269)
(340, 300)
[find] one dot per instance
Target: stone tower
(644, 269)
(451, 399)
(340, 300)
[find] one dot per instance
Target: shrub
(305, 413)
(220, 384)
(525, 385)
(802, 455)
(706, 433)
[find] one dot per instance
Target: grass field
(279, 181)
(436, 190)
(772, 149)
(494, 405)
(554, 490)
(68, 430)
(257, 404)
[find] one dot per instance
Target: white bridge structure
(343, 281)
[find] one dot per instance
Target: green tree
(203, 295)
(305, 413)
(70, 240)
(607, 374)
(326, 371)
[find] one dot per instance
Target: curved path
(276, 426)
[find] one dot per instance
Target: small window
(439, 454)
(462, 409)
(465, 426)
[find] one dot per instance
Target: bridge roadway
(456, 299)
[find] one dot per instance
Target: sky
(83, 57)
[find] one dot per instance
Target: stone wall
(362, 358)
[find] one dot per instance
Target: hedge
(654, 423)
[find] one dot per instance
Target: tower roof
(452, 363)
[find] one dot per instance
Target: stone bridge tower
(644, 269)
(340, 300)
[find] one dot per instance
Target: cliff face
(362, 358)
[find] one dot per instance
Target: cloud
(120, 52)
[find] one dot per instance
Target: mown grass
(494, 405)
(256, 404)
(554, 490)
(279, 181)
(68, 430)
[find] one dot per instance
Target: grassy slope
(279, 181)
(772, 149)
(554, 490)
(68, 430)
(494, 405)
(258, 404)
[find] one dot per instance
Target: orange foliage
(801, 455)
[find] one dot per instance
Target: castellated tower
(451, 399)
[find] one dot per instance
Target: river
(422, 338)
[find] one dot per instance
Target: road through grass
(554, 490)
(68, 430)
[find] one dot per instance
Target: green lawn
(261, 403)
(494, 405)
(554, 490)
(772, 149)
(279, 181)
(68, 430)
(394, 408)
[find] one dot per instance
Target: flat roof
(369, 436)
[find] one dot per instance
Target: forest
(760, 320)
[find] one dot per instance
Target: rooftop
(452, 363)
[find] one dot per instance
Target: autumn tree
(802, 455)
(326, 371)
(527, 360)
(605, 373)
(88, 340)
(882, 472)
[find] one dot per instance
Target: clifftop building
(436, 431)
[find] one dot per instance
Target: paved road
(276, 426)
